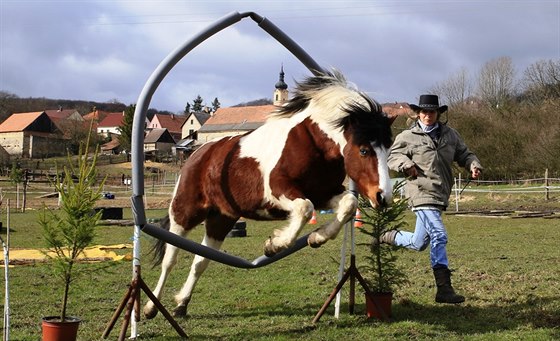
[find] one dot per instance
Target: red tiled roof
(158, 135)
(58, 114)
(98, 115)
(173, 123)
(234, 115)
(113, 119)
(113, 144)
(19, 121)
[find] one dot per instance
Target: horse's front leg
(345, 205)
(301, 211)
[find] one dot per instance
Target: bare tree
(541, 80)
(496, 82)
(456, 89)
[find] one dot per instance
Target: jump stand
(352, 273)
(131, 301)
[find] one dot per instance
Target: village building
(96, 115)
(158, 143)
(31, 135)
(233, 121)
(172, 123)
(65, 114)
(281, 90)
(110, 124)
(193, 122)
(111, 147)
(69, 122)
(93, 118)
(241, 120)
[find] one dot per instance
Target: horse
(293, 164)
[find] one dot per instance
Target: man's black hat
(428, 102)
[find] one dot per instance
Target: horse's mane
(367, 123)
(353, 109)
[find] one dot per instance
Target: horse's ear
(391, 118)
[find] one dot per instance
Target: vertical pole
(546, 190)
(354, 189)
(460, 186)
(135, 276)
(352, 293)
(456, 195)
(341, 270)
(6, 266)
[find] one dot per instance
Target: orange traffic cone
(313, 219)
(358, 219)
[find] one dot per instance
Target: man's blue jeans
(429, 231)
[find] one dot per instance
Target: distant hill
(262, 101)
(10, 103)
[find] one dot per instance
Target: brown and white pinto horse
(293, 164)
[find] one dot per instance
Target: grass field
(507, 268)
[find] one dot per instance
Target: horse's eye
(364, 151)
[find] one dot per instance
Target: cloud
(101, 50)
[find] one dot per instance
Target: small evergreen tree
(19, 176)
(68, 232)
(381, 272)
(215, 104)
(197, 104)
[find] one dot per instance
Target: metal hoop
(137, 149)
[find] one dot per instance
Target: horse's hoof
(269, 249)
(312, 241)
(180, 311)
(150, 312)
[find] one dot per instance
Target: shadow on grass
(466, 319)
(463, 319)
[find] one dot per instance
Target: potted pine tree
(380, 269)
(68, 231)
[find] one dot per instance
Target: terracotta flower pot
(380, 307)
(56, 330)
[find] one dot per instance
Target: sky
(106, 50)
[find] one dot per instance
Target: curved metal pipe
(216, 255)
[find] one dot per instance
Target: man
(425, 153)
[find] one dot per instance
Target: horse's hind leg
(198, 266)
(167, 264)
(217, 227)
(345, 205)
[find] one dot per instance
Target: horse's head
(354, 122)
(368, 138)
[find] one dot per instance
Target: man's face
(428, 117)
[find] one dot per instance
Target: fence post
(546, 189)
(456, 195)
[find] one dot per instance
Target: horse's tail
(158, 249)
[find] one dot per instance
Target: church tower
(281, 92)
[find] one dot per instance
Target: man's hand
(475, 173)
(411, 172)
